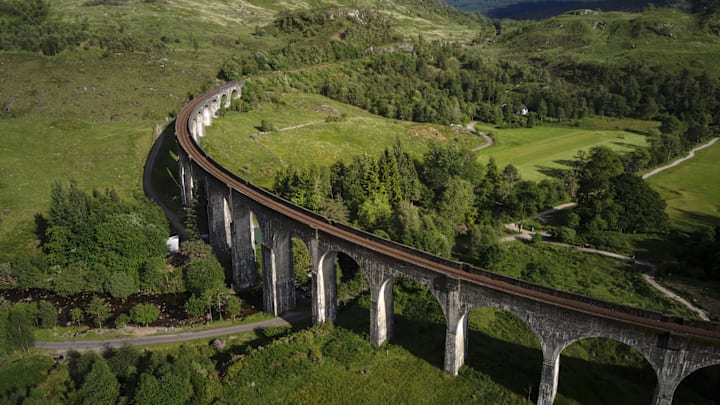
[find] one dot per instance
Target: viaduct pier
(674, 347)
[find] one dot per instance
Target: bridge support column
(207, 115)
(278, 275)
(324, 284)
(381, 311)
(218, 211)
(664, 392)
(673, 363)
(186, 178)
(456, 332)
(549, 375)
(244, 266)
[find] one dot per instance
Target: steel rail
(574, 302)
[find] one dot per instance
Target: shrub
(267, 126)
(122, 320)
(144, 313)
(276, 331)
(120, 285)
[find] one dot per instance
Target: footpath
(649, 276)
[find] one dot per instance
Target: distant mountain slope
(539, 9)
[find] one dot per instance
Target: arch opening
(419, 321)
(223, 106)
(700, 387)
(602, 370)
(501, 345)
(302, 264)
(347, 292)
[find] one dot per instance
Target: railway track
(453, 270)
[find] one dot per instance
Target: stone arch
(199, 125)
(610, 363)
(234, 93)
(420, 320)
(246, 239)
(302, 265)
(702, 382)
(325, 287)
(224, 101)
(501, 338)
(277, 267)
(207, 115)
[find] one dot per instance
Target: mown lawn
(692, 190)
(542, 151)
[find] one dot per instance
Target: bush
(144, 313)
(267, 126)
(120, 285)
(122, 320)
(204, 275)
(564, 234)
(276, 331)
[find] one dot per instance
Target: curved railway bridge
(674, 347)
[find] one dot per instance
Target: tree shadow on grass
(698, 220)
(626, 145)
(554, 172)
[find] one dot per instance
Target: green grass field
(234, 140)
(541, 151)
(592, 275)
(35, 154)
(692, 190)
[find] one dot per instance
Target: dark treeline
(442, 202)
(93, 242)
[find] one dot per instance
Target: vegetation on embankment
(327, 364)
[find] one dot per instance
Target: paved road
(171, 338)
(175, 222)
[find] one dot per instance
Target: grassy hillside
(155, 57)
(692, 191)
(662, 35)
(35, 154)
(313, 130)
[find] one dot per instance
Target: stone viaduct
(673, 346)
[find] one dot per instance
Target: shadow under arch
(700, 387)
(302, 266)
(600, 370)
(344, 298)
(502, 346)
(419, 324)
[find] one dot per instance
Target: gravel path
(488, 139)
(690, 155)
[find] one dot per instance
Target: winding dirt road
(690, 155)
